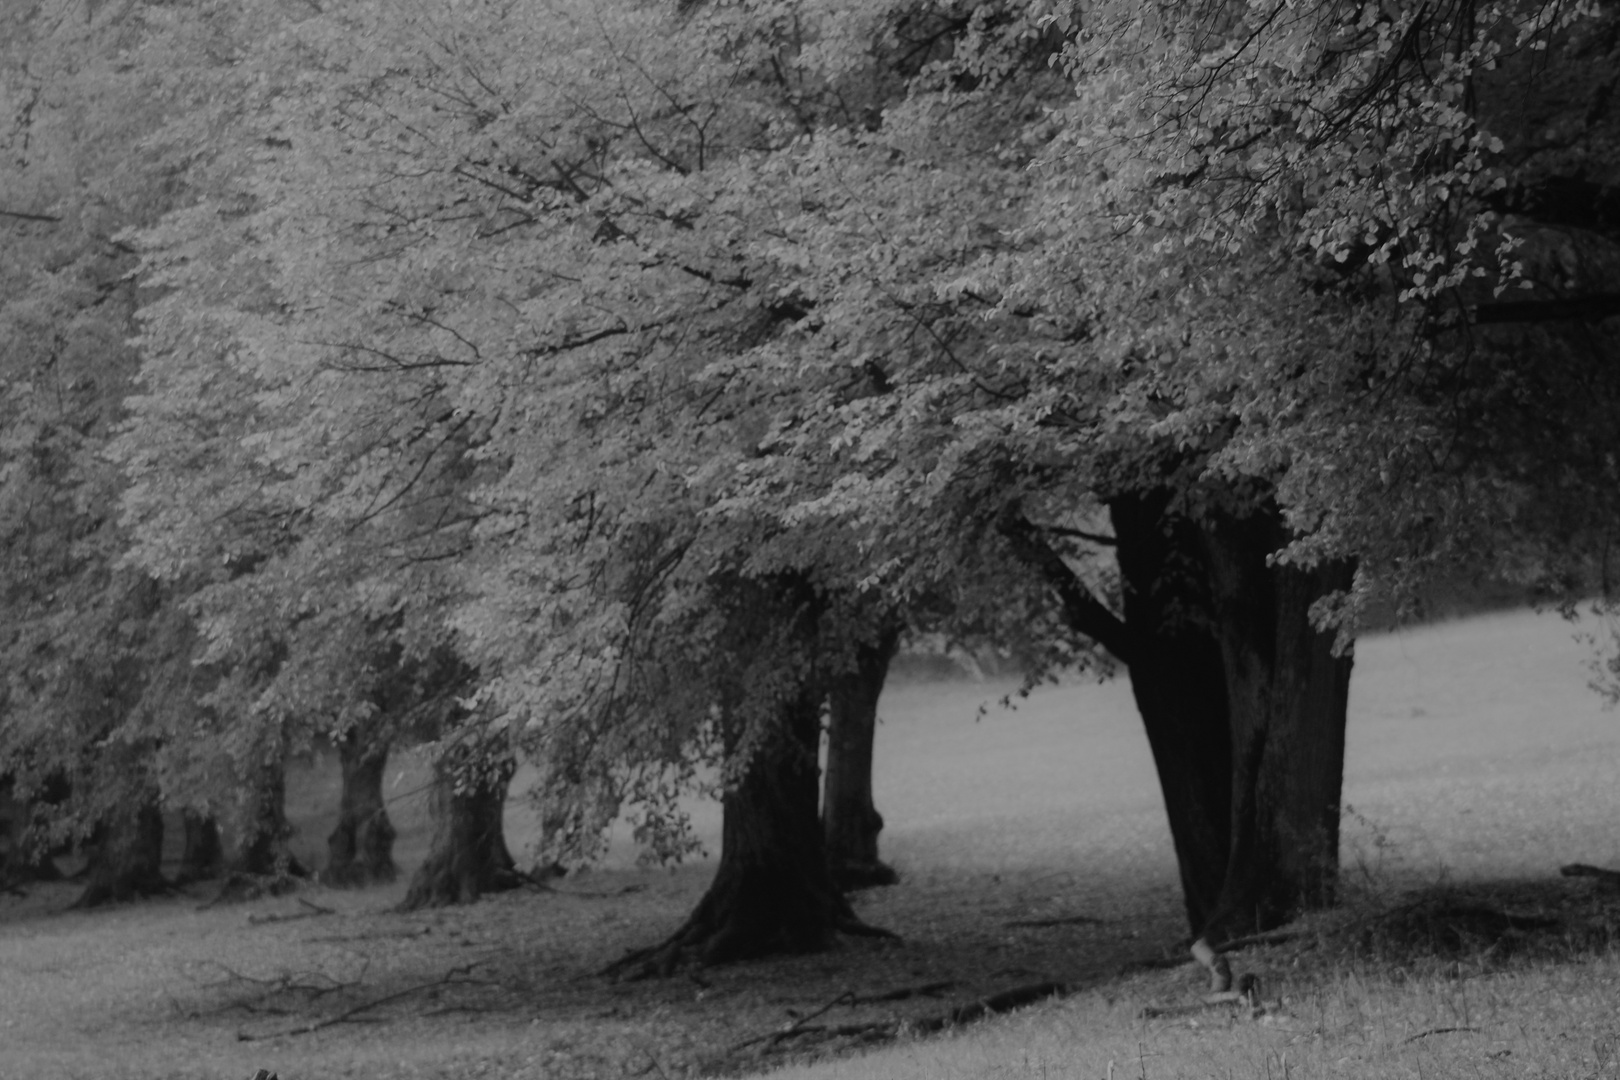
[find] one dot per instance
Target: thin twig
(1436, 1031)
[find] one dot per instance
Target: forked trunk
(126, 858)
(1244, 706)
(201, 856)
(773, 891)
(468, 856)
(361, 847)
(264, 850)
(850, 819)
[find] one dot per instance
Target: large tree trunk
(361, 847)
(1242, 699)
(1179, 682)
(202, 856)
(468, 856)
(1287, 695)
(773, 891)
(1244, 705)
(126, 858)
(850, 820)
(264, 850)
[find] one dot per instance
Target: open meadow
(1032, 848)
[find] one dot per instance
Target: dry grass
(1476, 754)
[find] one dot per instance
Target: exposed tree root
(312, 911)
(705, 942)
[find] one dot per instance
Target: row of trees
(609, 385)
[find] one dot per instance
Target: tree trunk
(1287, 695)
(202, 857)
(361, 847)
(264, 850)
(468, 855)
(773, 891)
(21, 860)
(126, 858)
(1179, 682)
(850, 819)
(1244, 706)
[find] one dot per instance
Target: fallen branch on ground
(315, 910)
(1436, 1031)
(966, 1013)
(456, 976)
(1060, 920)
(1609, 877)
(933, 989)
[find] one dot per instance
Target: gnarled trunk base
(773, 891)
(468, 856)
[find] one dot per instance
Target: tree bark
(264, 850)
(773, 891)
(1179, 683)
(1287, 695)
(126, 858)
(850, 820)
(361, 847)
(468, 856)
(202, 856)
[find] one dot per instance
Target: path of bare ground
(507, 988)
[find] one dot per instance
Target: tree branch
(1084, 612)
(1079, 534)
(50, 219)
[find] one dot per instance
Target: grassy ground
(1476, 758)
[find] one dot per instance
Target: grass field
(1477, 760)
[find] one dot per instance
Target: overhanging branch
(1084, 613)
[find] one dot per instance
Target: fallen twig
(315, 910)
(1611, 877)
(591, 894)
(774, 1037)
(933, 989)
(1436, 1031)
(454, 977)
(1060, 920)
